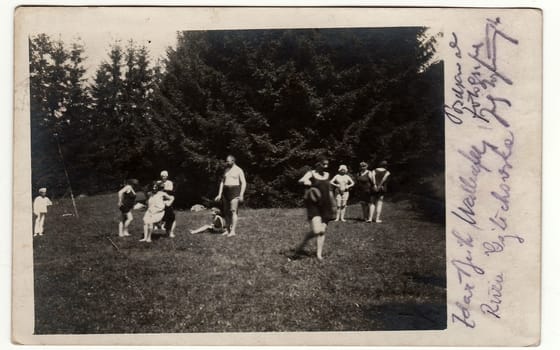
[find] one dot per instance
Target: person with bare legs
(156, 210)
(380, 176)
(319, 202)
(217, 226)
(364, 180)
(231, 192)
(168, 220)
(126, 199)
(342, 183)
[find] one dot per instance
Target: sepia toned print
(339, 163)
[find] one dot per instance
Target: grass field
(388, 276)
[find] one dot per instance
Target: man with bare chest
(231, 191)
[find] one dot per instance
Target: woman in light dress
(156, 210)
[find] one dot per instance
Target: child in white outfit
(40, 205)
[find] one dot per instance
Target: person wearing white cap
(169, 217)
(40, 205)
(342, 183)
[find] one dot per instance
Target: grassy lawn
(386, 276)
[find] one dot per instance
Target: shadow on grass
(410, 316)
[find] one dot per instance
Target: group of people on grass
(159, 211)
(324, 206)
(325, 199)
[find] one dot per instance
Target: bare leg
(343, 211)
(126, 224)
(371, 210)
(318, 228)
(228, 222)
(150, 230)
(172, 229)
(234, 219)
(201, 229)
(379, 207)
(320, 244)
(145, 233)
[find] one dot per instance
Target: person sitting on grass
(126, 199)
(156, 209)
(40, 205)
(342, 183)
(217, 226)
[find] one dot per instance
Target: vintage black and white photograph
(255, 180)
(277, 176)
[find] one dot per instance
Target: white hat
(42, 190)
(163, 173)
(342, 167)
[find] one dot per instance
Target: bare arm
(243, 185)
(372, 178)
(120, 194)
(306, 179)
(220, 190)
(168, 198)
(334, 181)
(384, 179)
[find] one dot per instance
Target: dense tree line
(277, 99)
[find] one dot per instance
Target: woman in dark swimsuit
(320, 205)
(364, 181)
(126, 200)
(380, 176)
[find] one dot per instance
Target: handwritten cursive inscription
(499, 245)
(487, 166)
(492, 307)
(465, 268)
(475, 78)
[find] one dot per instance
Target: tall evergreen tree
(279, 98)
(58, 109)
(123, 96)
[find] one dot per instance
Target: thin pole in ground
(67, 177)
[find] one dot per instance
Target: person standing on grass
(169, 216)
(231, 192)
(365, 186)
(342, 183)
(319, 202)
(40, 208)
(156, 210)
(380, 176)
(126, 199)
